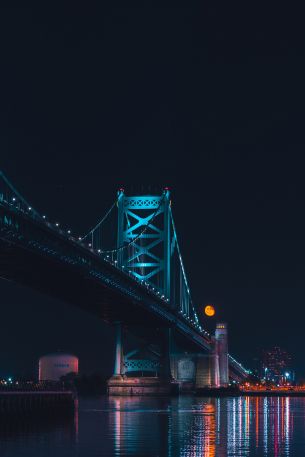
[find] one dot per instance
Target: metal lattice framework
(134, 361)
(148, 251)
(147, 248)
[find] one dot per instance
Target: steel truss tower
(144, 238)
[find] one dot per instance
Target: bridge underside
(36, 256)
(70, 284)
(73, 286)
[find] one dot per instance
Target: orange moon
(209, 310)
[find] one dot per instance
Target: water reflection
(189, 427)
(36, 435)
(184, 427)
(139, 426)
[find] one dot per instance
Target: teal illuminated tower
(144, 239)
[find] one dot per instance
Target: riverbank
(237, 392)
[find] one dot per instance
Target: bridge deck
(36, 255)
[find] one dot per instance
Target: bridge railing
(239, 367)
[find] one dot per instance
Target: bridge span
(139, 283)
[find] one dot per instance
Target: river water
(144, 427)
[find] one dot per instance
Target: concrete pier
(144, 386)
(177, 371)
(221, 352)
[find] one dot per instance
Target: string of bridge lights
(33, 213)
(129, 272)
(239, 364)
(80, 240)
(132, 242)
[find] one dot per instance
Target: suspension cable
(179, 252)
(132, 242)
(182, 265)
(101, 221)
(19, 196)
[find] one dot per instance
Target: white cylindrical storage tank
(53, 366)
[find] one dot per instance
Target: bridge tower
(221, 353)
(144, 238)
(145, 246)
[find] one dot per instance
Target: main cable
(132, 242)
(101, 221)
(182, 266)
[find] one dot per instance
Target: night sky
(208, 101)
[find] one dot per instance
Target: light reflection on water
(184, 426)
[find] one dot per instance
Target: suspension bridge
(128, 270)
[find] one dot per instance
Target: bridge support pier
(221, 352)
(118, 365)
(203, 370)
(166, 370)
(184, 372)
(207, 373)
(212, 369)
(122, 385)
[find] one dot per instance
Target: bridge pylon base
(142, 386)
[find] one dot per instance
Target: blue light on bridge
(138, 237)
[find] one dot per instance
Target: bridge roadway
(35, 254)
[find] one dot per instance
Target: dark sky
(207, 100)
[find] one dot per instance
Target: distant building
(277, 366)
(53, 366)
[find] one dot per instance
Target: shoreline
(233, 392)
